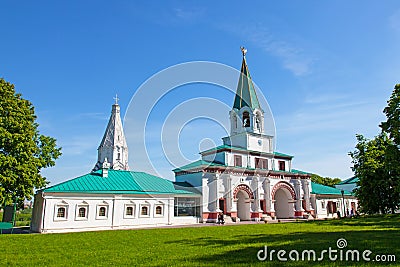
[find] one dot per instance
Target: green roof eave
(117, 182)
(197, 164)
(320, 189)
(300, 172)
(226, 147)
(352, 180)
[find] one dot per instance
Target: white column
(267, 195)
(215, 185)
(205, 194)
(306, 189)
(256, 192)
(297, 188)
(228, 193)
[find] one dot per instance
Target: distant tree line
(376, 163)
(328, 181)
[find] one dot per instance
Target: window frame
(80, 206)
(237, 160)
(141, 208)
(159, 205)
(105, 217)
(58, 206)
(264, 163)
(280, 162)
(133, 206)
(246, 115)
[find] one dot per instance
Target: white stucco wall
(45, 217)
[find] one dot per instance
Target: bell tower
(247, 116)
(113, 146)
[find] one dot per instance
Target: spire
(245, 93)
(113, 146)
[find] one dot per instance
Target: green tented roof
(352, 180)
(320, 189)
(226, 147)
(118, 181)
(245, 93)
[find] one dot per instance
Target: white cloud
(189, 14)
(394, 21)
(292, 56)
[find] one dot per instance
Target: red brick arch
(283, 185)
(245, 188)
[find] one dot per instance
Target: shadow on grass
(242, 249)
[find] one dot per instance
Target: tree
(376, 163)
(392, 112)
(24, 152)
(377, 188)
(325, 180)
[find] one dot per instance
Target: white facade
(327, 206)
(102, 212)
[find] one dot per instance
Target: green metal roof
(245, 93)
(226, 147)
(118, 181)
(197, 164)
(352, 180)
(320, 189)
(278, 154)
(202, 164)
(300, 172)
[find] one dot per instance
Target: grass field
(235, 245)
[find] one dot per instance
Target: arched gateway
(244, 197)
(284, 198)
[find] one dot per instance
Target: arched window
(246, 119)
(82, 212)
(102, 211)
(61, 212)
(129, 211)
(258, 122)
(159, 210)
(144, 210)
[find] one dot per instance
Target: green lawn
(203, 246)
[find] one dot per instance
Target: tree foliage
(328, 181)
(372, 161)
(392, 112)
(376, 163)
(24, 152)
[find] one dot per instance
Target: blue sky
(325, 68)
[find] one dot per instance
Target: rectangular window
(281, 165)
(184, 206)
(145, 210)
(129, 211)
(261, 163)
(102, 212)
(81, 212)
(60, 212)
(159, 210)
(238, 161)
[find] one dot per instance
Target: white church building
(244, 178)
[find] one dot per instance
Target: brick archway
(245, 188)
(283, 185)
